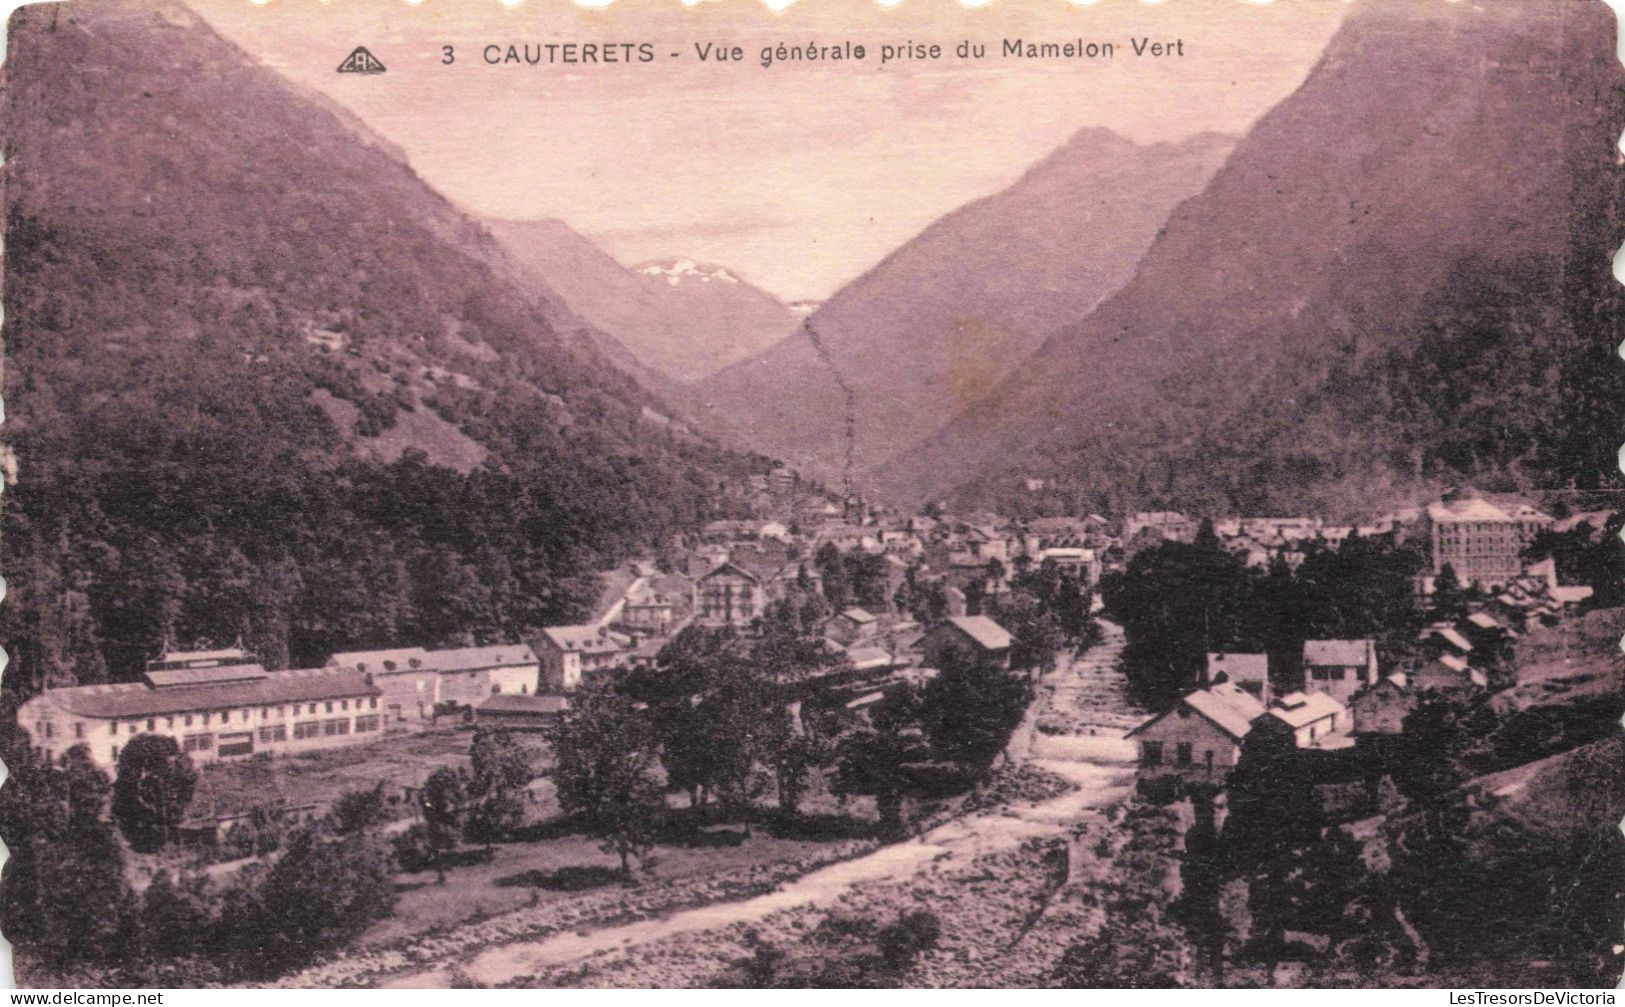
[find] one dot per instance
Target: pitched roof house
(1314, 719)
(1199, 739)
(571, 653)
(974, 635)
(1339, 668)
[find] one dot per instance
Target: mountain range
(265, 381)
(681, 319)
(935, 326)
(1399, 278)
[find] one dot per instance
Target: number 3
(447, 55)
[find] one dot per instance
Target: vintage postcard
(1039, 494)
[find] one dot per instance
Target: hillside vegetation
(1399, 278)
(225, 299)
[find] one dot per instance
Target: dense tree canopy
(604, 755)
(1178, 601)
(153, 790)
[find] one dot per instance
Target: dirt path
(1099, 766)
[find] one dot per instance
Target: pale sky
(798, 177)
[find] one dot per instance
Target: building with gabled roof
(469, 674)
(1314, 719)
(520, 712)
(241, 710)
(728, 595)
(409, 684)
(1448, 674)
(851, 625)
(1445, 638)
(571, 654)
(1199, 738)
(975, 636)
(1339, 668)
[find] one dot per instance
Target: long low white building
(223, 703)
(212, 712)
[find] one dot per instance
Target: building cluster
(727, 573)
(1480, 538)
(1339, 694)
(1199, 739)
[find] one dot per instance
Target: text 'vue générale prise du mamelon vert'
(811, 51)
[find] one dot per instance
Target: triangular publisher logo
(361, 61)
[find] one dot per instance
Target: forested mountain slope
(933, 327)
(1399, 278)
(262, 380)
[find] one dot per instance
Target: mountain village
(221, 703)
(407, 589)
(282, 749)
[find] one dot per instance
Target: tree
(1070, 606)
(66, 897)
(736, 713)
(415, 850)
(323, 890)
(1586, 555)
(604, 754)
(153, 790)
(975, 596)
(794, 750)
(1274, 819)
(177, 915)
(1449, 597)
(1441, 739)
(872, 758)
(501, 770)
(1036, 635)
(1175, 603)
(832, 572)
(359, 810)
(970, 709)
(444, 802)
(710, 707)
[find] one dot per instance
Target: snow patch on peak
(804, 308)
(677, 270)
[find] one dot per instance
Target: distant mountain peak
(703, 317)
(1347, 232)
(682, 269)
(925, 333)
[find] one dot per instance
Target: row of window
(370, 703)
(1482, 549)
(242, 743)
(1526, 527)
(1151, 754)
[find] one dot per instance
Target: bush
(325, 889)
(904, 941)
(1158, 790)
(414, 850)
